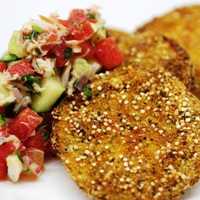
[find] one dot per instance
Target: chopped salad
(46, 59)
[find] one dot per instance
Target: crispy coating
(136, 138)
(151, 50)
(183, 25)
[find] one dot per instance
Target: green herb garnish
(53, 154)
(39, 52)
(27, 171)
(19, 156)
(74, 83)
(34, 33)
(40, 127)
(68, 53)
(46, 135)
(37, 29)
(87, 91)
(29, 79)
(2, 121)
(76, 22)
(90, 16)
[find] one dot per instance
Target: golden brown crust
(136, 138)
(150, 50)
(182, 25)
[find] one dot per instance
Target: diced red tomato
(24, 124)
(59, 51)
(3, 168)
(87, 50)
(7, 149)
(3, 131)
(89, 15)
(53, 36)
(108, 53)
(46, 121)
(78, 14)
(2, 110)
(35, 156)
(37, 141)
(3, 66)
(64, 22)
(21, 68)
(81, 29)
(49, 152)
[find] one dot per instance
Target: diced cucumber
(100, 33)
(13, 45)
(48, 97)
(8, 58)
(80, 65)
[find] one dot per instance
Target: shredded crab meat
(48, 28)
(43, 67)
(66, 74)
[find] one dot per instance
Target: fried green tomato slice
(150, 50)
(182, 25)
(136, 138)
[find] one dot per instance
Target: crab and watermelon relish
(46, 59)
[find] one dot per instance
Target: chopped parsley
(68, 53)
(87, 91)
(27, 171)
(76, 22)
(34, 33)
(19, 156)
(2, 121)
(40, 127)
(53, 154)
(39, 52)
(90, 16)
(46, 135)
(29, 79)
(37, 29)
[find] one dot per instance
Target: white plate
(125, 15)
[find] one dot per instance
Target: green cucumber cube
(48, 97)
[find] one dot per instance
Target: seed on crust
(148, 50)
(182, 25)
(140, 140)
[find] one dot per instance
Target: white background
(121, 14)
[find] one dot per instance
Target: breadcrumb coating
(148, 50)
(136, 138)
(183, 25)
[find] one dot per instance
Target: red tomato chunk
(24, 124)
(3, 66)
(3, 131)
(38, 141)
(59, 52)
(34, 161)
(3, 169)
(87, 50)
(108, 53)
(81, 29)
(7, 149)
(21, 68)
